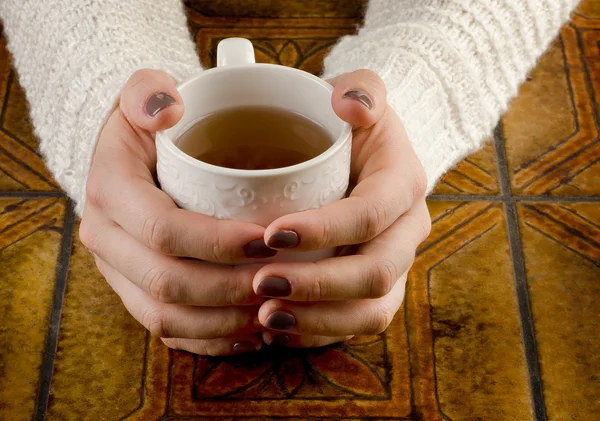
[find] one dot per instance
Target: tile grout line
(516, 250)
(31, 194)
(62, 272)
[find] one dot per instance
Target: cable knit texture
(450, 66)
(73, 58)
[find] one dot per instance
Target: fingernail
(274, 287)
(283, 239)
(359, 96)
(280, 340)
(257, 249)
(242, 347)
(158, 102)
(280, 320)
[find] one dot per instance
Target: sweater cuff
(443, 125)
(75, 63)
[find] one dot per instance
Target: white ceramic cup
(258, 196)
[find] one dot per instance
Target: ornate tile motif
(303, 48)
(30, 236)
(550, 131)
(561, 244)
(497, 322)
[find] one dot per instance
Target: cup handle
(232, 51)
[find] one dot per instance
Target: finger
(121, 185)
(301, 341)
(334, 318)
(370, 273)
(390, 182)
(216, 347)
(150, 100)
(179, 321)
(359, 97)
(167, 279)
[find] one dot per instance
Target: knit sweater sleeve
(450, 66)
(73, 58)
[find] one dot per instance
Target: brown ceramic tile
(549, 130)
(477, 174)
(278, 9)
(589, 9)
(562, 258)
(296, 47)
(453, 352)
(463, 318)
(30, 237)
(100, 358)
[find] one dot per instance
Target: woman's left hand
(316, 304)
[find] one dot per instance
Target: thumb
(150, 100)
(359, 98)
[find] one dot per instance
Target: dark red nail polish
(242, 347)
(257, 249)
(280, 340)
(283, 239)
(158, 102)
(280, 320)
(274, 287)
(359, 96)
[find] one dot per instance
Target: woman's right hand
(155, 255)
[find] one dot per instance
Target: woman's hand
(142, 241)
(385, 216)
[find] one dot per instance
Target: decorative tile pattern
(95, 328)
(550, 130)
(498, 318)
(564, 290)
(30, 237)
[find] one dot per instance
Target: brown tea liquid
(255, 138)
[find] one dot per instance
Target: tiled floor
(500, 319)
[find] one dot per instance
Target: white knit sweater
(450, 66)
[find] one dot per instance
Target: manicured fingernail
(283, 239)
(158, 102)
(242, 347)
(280, 320)
(359, 96)
(274, 287)
(257, 249)
(280, 340)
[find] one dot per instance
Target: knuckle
(316, 289)
(218, 252)
(237, 286)
(214, 247)
(155, 320)
(419, 182)
(157, 234)
(160, 284)
(379, 321)
(322, 240)
(94, 190)
(384, 276)
(374, 219)
(425, 227)
(88, 237)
